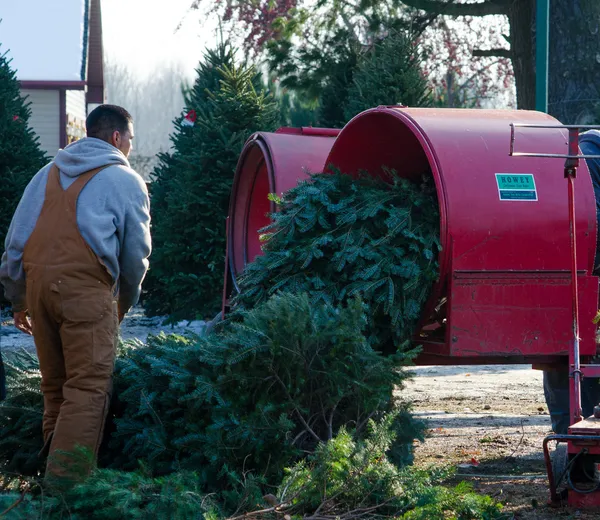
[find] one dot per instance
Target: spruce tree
(336, 236)
(190, 194)
(389, 74)
(20, 153)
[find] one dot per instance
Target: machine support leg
(554, 498)
(226, 273)
(574, 357)
(574, 361)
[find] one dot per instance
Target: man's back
(112, 216)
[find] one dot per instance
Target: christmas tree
(336, 236)
(20, 153)
(190, 196)
(390, 74)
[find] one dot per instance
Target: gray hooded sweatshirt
(113, 216)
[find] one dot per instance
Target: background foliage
(20, 153)
(190, 194)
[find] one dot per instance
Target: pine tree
(334, 96)
(389, 74)
(20, 153)
(190, 196)
(21, 416)
(336, 236)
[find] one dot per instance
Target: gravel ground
(490, 422)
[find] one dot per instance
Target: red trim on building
(53, 85)
(62, 107)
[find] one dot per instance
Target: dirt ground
(489, 421)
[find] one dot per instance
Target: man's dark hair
(105, 119)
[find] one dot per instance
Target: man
(76, 254)
(556, 382)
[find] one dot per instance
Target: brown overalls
(75, 325)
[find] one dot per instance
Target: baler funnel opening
(380, 140)
(269, 163)
(377, 139)
(252, 205)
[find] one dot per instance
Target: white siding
(76, 104)
(45, 118)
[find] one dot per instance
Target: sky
(142, 33)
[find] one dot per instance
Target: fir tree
(21, 416)
(348, 476)
(259, 393)
(20, 153)
(390, 74)
(190, 196)
(336, 236)
(353, 478)
(334, 96)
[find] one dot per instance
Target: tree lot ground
(488, 420)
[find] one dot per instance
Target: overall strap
(53, 186)
(75, 189)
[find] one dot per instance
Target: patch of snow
(136, 325)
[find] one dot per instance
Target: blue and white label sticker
(516, 186)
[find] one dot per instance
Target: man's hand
(23, 323)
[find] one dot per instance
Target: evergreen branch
(289, 398)
(15, 504)
(275, 509)
(354, 513)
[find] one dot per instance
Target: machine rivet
(454, 339)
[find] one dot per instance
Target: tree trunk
(574, 69)
(574, 54)
(574, 51)
(521, 17)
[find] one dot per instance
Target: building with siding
(56, 50)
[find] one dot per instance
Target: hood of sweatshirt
(86, 154)
(591, 136)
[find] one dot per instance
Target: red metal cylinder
(269, 163)
(504, 288)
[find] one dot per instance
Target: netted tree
(190, 195)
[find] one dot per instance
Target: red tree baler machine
(514, 239)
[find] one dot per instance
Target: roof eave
(52, 85)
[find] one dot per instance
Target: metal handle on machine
(573, 155)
